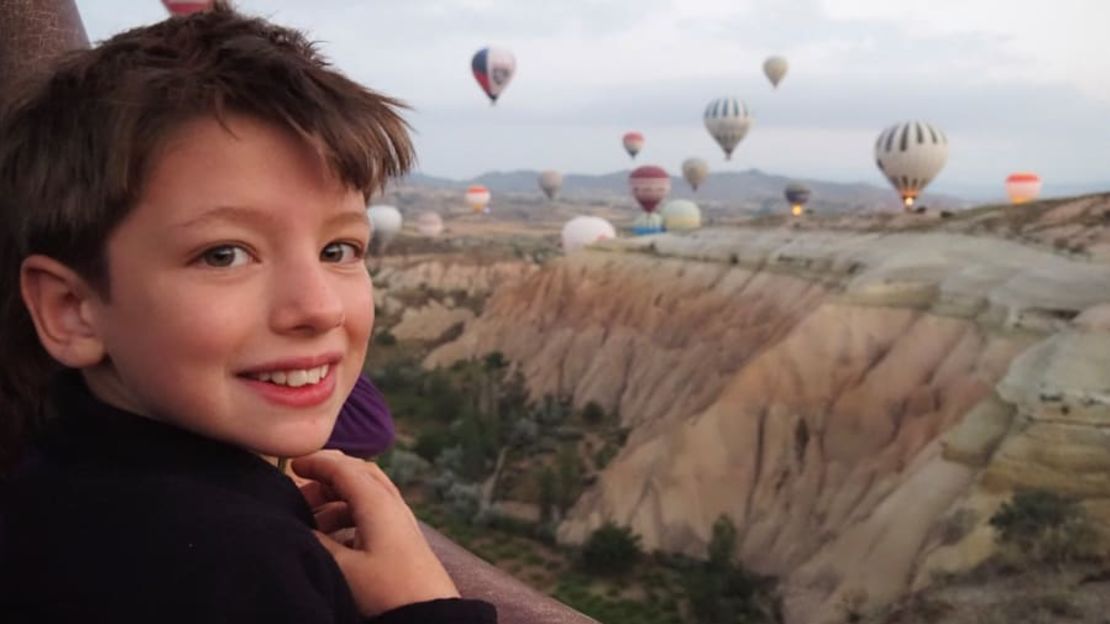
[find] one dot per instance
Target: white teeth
(295, 378)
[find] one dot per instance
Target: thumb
(337, 550)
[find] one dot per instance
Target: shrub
(593, 413)
(1044, 526)
(430, 444)
(611, 551)
(385, 338)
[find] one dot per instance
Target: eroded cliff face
(843, 397)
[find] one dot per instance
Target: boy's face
(240, 306)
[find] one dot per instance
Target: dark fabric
(365, 426)
(118, 518)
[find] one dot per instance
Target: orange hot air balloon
(1024, 186)
(187, 7)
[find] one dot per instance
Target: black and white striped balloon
(910, 154)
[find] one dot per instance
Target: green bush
(430, 444)
(1043, 526)
(593, 413)
(385, 338)
(611, 551)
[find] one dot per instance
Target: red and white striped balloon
(649, 185)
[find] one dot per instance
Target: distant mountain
(751, 190)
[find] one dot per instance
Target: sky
(1016, 85)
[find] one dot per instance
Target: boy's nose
(306, 300)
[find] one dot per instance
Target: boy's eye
(225, 256)
(340, 253)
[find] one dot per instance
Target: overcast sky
(1016, 84)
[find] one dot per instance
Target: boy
(182, 280)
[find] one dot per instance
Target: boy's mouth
(293, 378)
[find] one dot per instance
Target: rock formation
(843, 396)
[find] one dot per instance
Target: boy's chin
(294, 448)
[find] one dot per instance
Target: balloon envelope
(633, 143)
(550, 183)
(1023, 187)
(695, 170)
(385, 223)
(187, 7)
(796, 193)
(493, 69)
(775, 68)
(647, 223)
(429, 224)
(477, 197)
(680, 215)
(649, 185)
(727, 120)
(910, 154)
(582, 231)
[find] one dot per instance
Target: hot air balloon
(727, 121)
(1023, 187)
(649, 185)
(775, 68)
(550, 183)
(582, 231)
(797, 194)
(385, 223)
(493, 69)
(477, 197)
(910, 155)
(695, 170)
(429, 224)
(633, 143)
(647, 223)
(187, 7)
(680, 215)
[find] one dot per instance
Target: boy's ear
(60, 303)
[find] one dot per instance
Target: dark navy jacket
(117, 518)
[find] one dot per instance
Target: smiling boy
(183, 290)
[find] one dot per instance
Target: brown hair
(75, 147)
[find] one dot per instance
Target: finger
(338, 551)
(333, 516)
(316, 494)
(351, 482)
(379, 474)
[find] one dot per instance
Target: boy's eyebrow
(251, 215)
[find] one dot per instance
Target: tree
(611, 551)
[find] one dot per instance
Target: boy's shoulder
(116, 541)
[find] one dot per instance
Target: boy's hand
(387, 563)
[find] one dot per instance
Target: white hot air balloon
(429, 224)
(680, 215)
(727, 120)
(695, 170)
(385, 223)
(493, 68)
(582, 231)
(910, 154)
(775, 68)
(550, 183)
